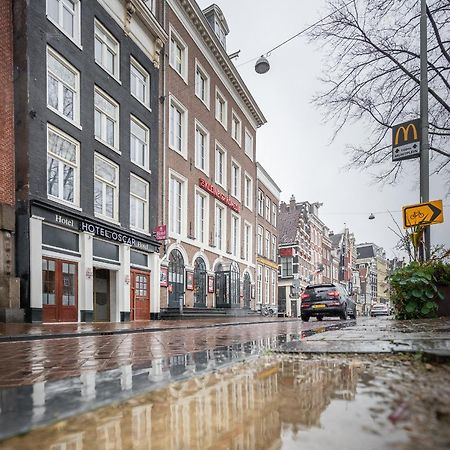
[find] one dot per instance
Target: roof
(365, 252)
(335, 240)
(287, 225)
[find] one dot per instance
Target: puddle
(271, 402)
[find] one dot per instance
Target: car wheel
(319, 318)
(353, 315)
(305, 318)
(343, 315)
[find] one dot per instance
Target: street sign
(160, 232)
(427, 213)
(406, 140)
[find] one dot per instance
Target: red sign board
(161, 232)
(214, 191)
(286, 251)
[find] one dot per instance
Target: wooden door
(59, 290)
(140, 295)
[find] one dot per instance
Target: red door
(140, 295)
(59, 290)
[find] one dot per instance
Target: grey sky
(294, 146)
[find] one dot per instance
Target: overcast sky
(295, 145)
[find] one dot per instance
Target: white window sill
(139, 230)
(109, 73)
(183, 77)
(72, 122)
(237, 197)
(224, 187)
(206, 103)
(63, 202)
(202, 170)
(107, 219)
(114, 149)
(145, 169)
(57, 25)
(221, 123)
(183, 154)
(235, 140)
(144, 104)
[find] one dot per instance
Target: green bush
(414, 289)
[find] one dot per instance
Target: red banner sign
(285, 251)
(161, 232)
(214, 191)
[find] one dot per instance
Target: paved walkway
(27, 331)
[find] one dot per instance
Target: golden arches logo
(405, 133)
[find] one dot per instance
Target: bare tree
(373, 76)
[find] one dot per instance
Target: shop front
(82, 270)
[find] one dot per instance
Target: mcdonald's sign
(406, 140)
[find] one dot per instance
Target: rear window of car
(318, 293)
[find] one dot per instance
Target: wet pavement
(140, 380)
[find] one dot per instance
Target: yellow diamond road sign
(423, 214)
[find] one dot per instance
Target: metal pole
(424, 146)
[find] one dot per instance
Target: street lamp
(262, 65)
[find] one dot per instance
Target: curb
(36, 337)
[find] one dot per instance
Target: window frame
(76, 38)
(286, 262)
(116, 187)
(248, 204)
(236, 195)
(274, 247)
(76, 103)
(116, 68)
(239, 121)
(259, 280)
(76, 203)
(175, 103)
(146, 165)
(273, 286)
(223, 229)
(116, 146)
(267, 244)
(222, 97)
(261, 202)
(199, 68)
(235, 235)
(174, 36)
(248, 241)
(266, 285)
(205, 132)
(146, 202)
(247, 133)
(222, 150)
(183, 206)
(274, 214)
(199, 193)
(139, 68)
(268, 208)
(260, 240)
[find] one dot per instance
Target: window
(178, 127)
(260, 203)
(65, 14)
(268, 209)
(247, 242)
(286, 266)
(274, 248)
(220, 166)
(248, 195)
(266, 287)
(106, 119)
(201, 148)
(177, 206)
(139, 83)
(259, 280)
(139, 199)
(260, 240)
(106, 50)
(235, 235)
(201, 229)
(139, 143)
(274, 214)
(248, 144)
(235, 180)
(178, 54)
(273, 296)
(106, 188)
(220, 227)
(221, 109)
(267, 253)
(63, 87)
(62, 166)
(201, 84)
(236, 128)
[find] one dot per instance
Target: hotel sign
(214, 191)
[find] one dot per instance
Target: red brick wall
(7, 187)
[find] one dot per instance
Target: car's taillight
(334, 294)
(305, 296)
(305, 305)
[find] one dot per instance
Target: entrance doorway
(176, 279)
(140, 295)
(102, 295)
(59, 290)
(199, 283)
(247, 288)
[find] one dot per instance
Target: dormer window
(217, 22)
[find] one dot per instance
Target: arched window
(235, 287)
(176, 278)
(199, 283)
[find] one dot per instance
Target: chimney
(292, 202)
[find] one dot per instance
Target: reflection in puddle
(269, 403)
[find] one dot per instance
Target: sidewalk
(380, 335)
(13, 332)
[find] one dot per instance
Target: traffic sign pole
(424, 146)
